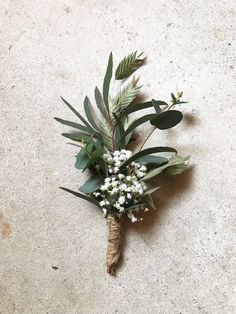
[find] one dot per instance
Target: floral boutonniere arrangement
(119, 183)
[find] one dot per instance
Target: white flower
(104, 212)
(96, 194)
(129, 196)
(116, 153)
(102, 203)
(143, 168)
(121, 200)
(107, 180)
(120, 176)
(117, 163)
(123, 187)
(102, 188)
(115, 169)
(128, 178)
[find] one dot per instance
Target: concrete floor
(180, 259)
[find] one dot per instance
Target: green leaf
(176, 165)
(157, 103)
(81, 138)
(134, 207)
(148, 151)
(150, 191)
(79, 116)
(128, 65)
(85, 197)
(136, 107)
(149, 202)
(173, 98)
(73, 125)
(78, 137)
(100, 102)
(167, 119)
(153, 159)
(138, 122)
(94, 158)
(107, 80)
(89, 114)
(91, 185)
(82, 158)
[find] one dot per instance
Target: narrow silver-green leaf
(78, 115)
(150, 191)
(106, 82)
(148, 151)
(153, 159)
(80, 195)
(100, 102)
(73, 125)
(89, 113)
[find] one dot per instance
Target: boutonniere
(119, 178)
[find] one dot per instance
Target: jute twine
(114, 243)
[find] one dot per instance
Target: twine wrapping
(114, 243)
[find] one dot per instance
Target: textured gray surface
(180, 259)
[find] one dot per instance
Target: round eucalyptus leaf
(167, 119)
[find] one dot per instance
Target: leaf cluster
(112, 129)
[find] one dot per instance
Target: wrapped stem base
(114, 243)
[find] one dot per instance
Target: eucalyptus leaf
(92, 184)
(81, 159)
(167, 119)
(98, 152)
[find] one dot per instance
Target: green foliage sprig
(113, 131)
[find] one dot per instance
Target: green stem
(147, 138)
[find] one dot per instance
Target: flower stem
(147, 139)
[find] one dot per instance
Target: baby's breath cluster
(121, 190)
